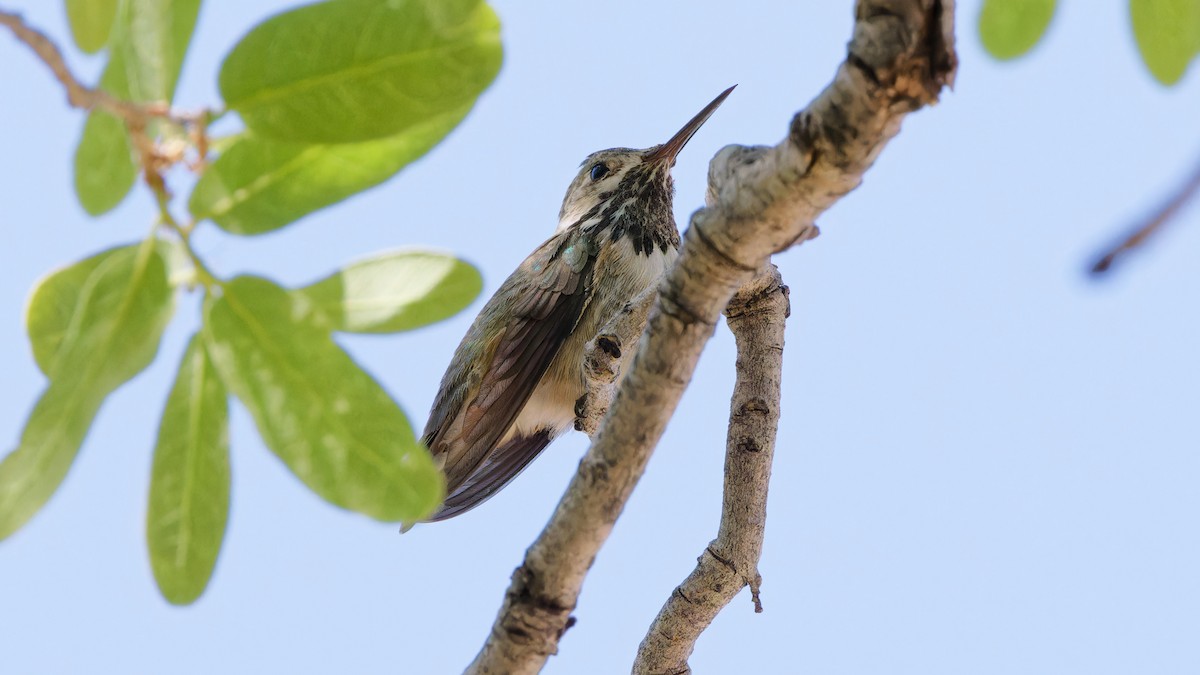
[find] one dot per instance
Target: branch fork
(761, 200)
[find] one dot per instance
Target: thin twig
(765, 200)
(184, 232)
(756, 315)
(155, 158)
(82, 96)
(1142, 232)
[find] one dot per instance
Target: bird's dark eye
(599, 170)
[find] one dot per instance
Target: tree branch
(763, 200)
(756, 315)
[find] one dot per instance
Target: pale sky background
(986, 463)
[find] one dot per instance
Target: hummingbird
(513, 382)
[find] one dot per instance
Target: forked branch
(763, 200)
(756, 315)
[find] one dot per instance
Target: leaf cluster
(335, 98)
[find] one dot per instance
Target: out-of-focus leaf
(326, 418)
(258, 185)
(91, 21)
(189, 481)
(393, 292)
(59, 296)
(1168, 35)
(104, 168)
(149, 42)
(55, 300)
(124, 305)
(1010, 28)
(147, 46)
(355, 70)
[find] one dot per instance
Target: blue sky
(986, 463)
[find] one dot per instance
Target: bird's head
(624, 181)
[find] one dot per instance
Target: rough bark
(756, 315)
(763, 200)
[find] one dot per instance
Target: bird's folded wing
(547, 296)
(497, 470)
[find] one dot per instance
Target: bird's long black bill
(669, 150)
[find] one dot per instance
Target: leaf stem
(184, 232)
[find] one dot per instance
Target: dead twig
(1153, 224)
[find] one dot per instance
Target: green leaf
(1010, 28)
(148, 42)
(58, 297)
(326, 418)
(1168, 35)
(104, 168)
(355, 70)
(91, 21)
(113, 335)
(55, 300)
(189, 481)
(258, 185)
(392, 292)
